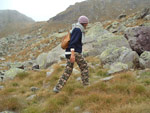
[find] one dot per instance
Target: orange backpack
(65, 41)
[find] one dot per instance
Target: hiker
(73, 54)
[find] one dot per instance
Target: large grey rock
(10, 74)
(54, 55)
(45, 60)
(95, 31)
(138, 38)
(42, 60)
(147, 24)
(147, 17)
(117, 67)
(98, 39)
(145, 59)
(143, 13)
(113, 27)
(115, 54)
(129, 57)
(111, 55)
(16, 65)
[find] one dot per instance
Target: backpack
(65, 41)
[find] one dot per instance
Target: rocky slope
(101, 39)
(98, 10)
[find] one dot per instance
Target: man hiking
(73, 54)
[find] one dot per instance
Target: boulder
(146, 24)
(119, 54)
(147, 17)
(121, 16)
(143, 13)
(41, 60)
(145, 59)
(10, 74)
(16, 65)
(95, 31)
(117, 67)
(138, 38)
(54, 55)
(113, 27)
(110, 55)
(45, 60)
(129, 57)
(98, 39)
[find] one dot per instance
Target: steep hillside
(99, 10)
(12, 20)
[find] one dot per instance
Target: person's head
(83, 20)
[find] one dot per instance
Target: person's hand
(72, 58)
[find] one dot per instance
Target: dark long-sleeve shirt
(75, 41)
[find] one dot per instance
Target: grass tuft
(32, 109)
(10, 103)
(102, 73)
(139, 89)
(22, 75)
(56, 103)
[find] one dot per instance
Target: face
(85, 25)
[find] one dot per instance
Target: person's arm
(72, 57)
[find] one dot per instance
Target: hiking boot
(55, 90)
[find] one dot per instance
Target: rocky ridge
(100, 10)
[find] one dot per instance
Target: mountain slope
(12, 20)
(99, 9)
